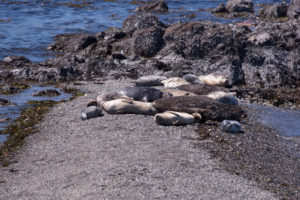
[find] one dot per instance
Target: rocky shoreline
(259, 58)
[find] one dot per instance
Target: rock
(48, 92)
(150, 80)
(262, 39)
(17, 61)
(174, 82)
(91, 112)
(239, 6)
(71, 42)
(275, 11)
(147, 42)
(171, 118)
(221, 9)
(5, 102)
(230, 126)
(294, 9)
(153, 6)
(209, 109)
(141, 21)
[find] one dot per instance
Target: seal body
(231, 126)
(124, 106)
(91, 112)
(207, 107)
(224, 97)
(110, 96)
(201, 89)
(145, 94)
(174, 82)
(151, 80)
(176, 92)
(172, 118)
(191, 78)
(213, 79)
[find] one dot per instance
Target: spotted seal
(174, 82)
(172, 118)
(213, 79)
(91, 112)
(145, 94)
(151, 80)
(224, 97)
(201, 89)
(207, 107)
(108, 97)
(125, 106)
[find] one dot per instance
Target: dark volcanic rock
(141, 21)
(15, 61)
(294, 9)
(71, 42)
(5, 102)
(49, 93)
(209, 109)
(275, 11)
(220, 9)
(147, 42)
(153, 6)
(239, 6)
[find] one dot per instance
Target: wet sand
(121, 157)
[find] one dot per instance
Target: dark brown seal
(209, 108)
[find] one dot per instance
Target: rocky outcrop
(48, 93)
(153, 6)
(275, 11)
(239, 6)
(294, 9)
(265, 56)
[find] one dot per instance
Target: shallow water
(285, 121)
(21, 99)
(28, 26)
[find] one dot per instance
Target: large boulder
(240, 6)
(153, 6)
(294, 9)
(275, 11)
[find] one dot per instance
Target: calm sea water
(28, 26)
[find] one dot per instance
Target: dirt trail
(117, 157)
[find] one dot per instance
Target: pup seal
(207, 107)
(231, 127)
(124, 106)
(174, 82)
(145, 94)
(214, 79)
(201, 89)
(171, 118)
(91, 112)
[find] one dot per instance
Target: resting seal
(91, 112)
(145, 94)
(207, 107)
(213, 79)
(231, 127)
(151, 80)
(174, 92)
(108, 97)
(174, 82)
(171, 118)
(201, 89)
(224, 97)
(124, 106)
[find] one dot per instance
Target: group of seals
(180, 103)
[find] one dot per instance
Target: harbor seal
(224, 97)
(214, 79)
(175, 92)
(124, 106)
(230, 126)
(145, 94)
(191, 78)
(151, 80)
(91, 112)
(110, 96)
(171, 118)
(209, 108)
(201, 89)
(174, 82)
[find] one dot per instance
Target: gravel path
(117, 157)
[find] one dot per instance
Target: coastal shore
(130, 157)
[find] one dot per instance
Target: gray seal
(145, 94)
(91, 112)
